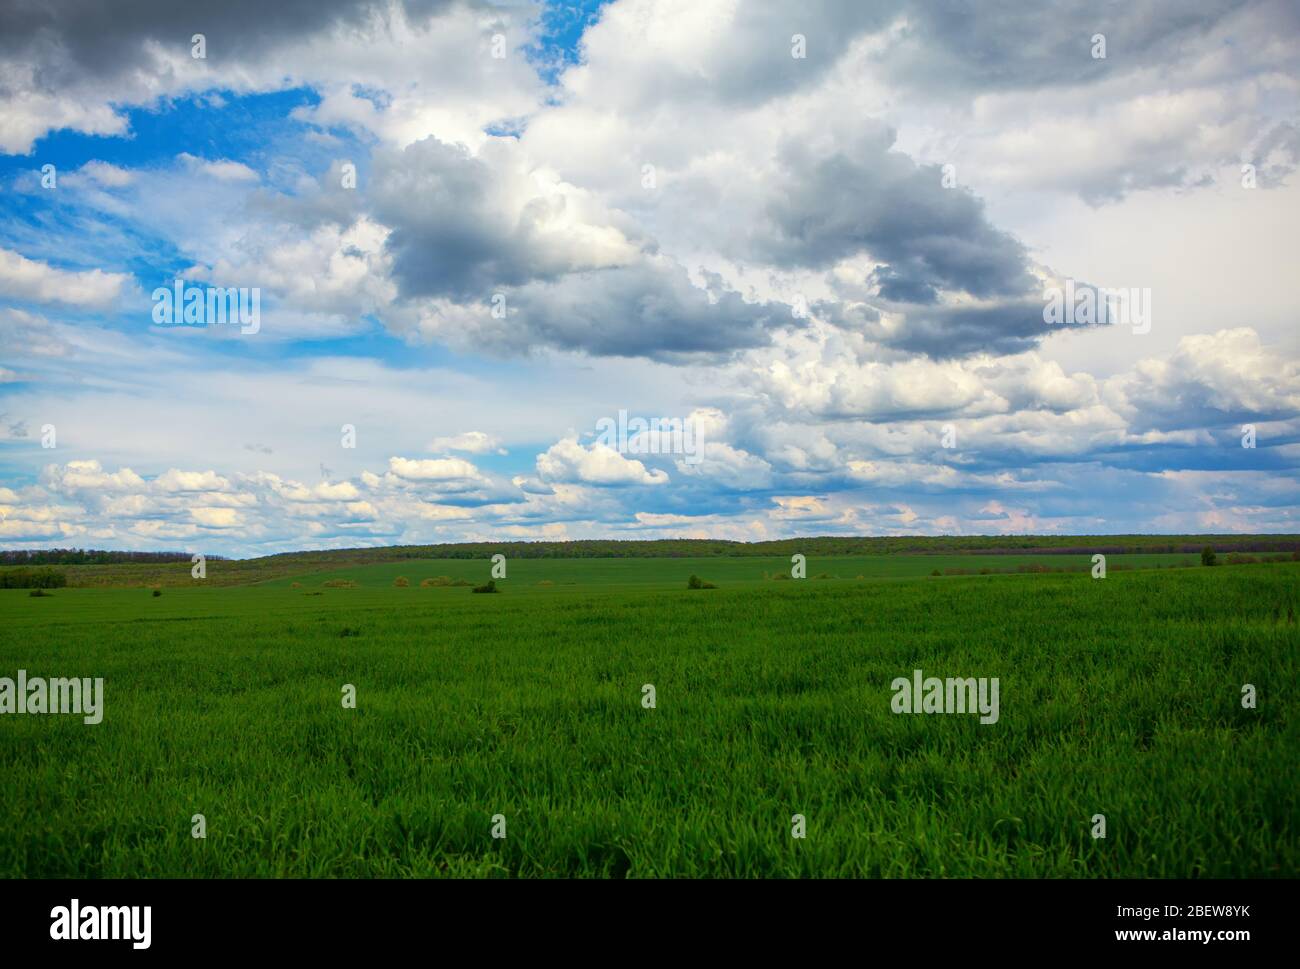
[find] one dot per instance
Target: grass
(956, 551)
(1119, 697)
(628, 573)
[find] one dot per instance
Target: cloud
(471, 442)
(175, 480)
(23, 333)
(216, 517)
(636, 235)
(89, 475)
(30, 279)
(863, 197)
(465, 226)
(105, 174)
(644, 52)
(70, 67)
(1210, 380)
(650, 309)
(568, 461)
(438, 469)
(223, 170)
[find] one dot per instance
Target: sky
(845, 256)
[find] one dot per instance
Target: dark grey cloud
(867, 199)
(72, 40)
(460, 232)
(1000, 45)
(1276, 154)
(940, 331)
(753, 60)
(650, 309)
(452, 232)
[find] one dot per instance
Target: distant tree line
(825, 545)
(87, 556)
(695, 548)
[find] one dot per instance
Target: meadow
(1119, 697)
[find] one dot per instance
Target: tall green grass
(1118, 697)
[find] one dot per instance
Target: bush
(157, 593)
(39, 593)
(32, 579)
(1208, 557)
(339, 584)
(443, 580)
(490, 587)
(401, 582)
(695, 582)
(936, 572)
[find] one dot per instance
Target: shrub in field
(339, 584)
(1208, 557)
(936, 572)
(401, 582)
(32, 579)
(295, 585)
(157, 593)
(695, 582)
(39, 593)
(490, 587)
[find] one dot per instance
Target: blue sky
(820, 236)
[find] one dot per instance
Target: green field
(1119, 697)
(668, 574)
